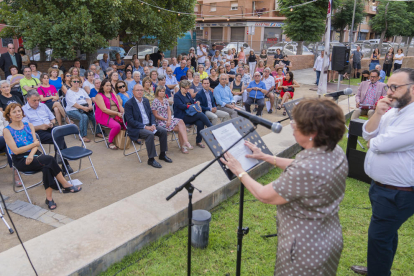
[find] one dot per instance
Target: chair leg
(24, 187)
(93, 167)
(176, 139)
(140, 146)
(1, 207)
(58, 184)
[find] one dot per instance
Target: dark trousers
(45, 163)
(148, 136)
(397, 66)
(4, 149)
(18, 93)
(390, 209)
(387, 69)
(46, 138)
(200, 120)
(260, 104)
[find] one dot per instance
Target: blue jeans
(83, 121)
(390, 209)
(318, 75)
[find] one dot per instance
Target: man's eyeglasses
(122, 86)
(68, 76)
(76, 81)
(394, 87)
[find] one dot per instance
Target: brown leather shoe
(363, 270)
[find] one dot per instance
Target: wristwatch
(241, 175)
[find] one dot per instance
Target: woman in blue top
(54, 79)
(182, 101)
(121, 90)
(21, 139)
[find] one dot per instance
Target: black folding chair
(72, 153)
(19, 173)
(102, 132)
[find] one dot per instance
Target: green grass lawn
(356, 82)
(168, 255)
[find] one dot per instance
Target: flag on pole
(323, 80)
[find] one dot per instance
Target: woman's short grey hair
(136, 73)
(161, 77)
(95, 80)
(267, 69)
(31, 93)
(185, 83)
(3, 82)
(87, 72)
(196, 75)
(109, 69)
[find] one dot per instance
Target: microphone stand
(190, 188)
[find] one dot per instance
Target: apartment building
(258, 23)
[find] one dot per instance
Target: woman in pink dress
(162, 113)
(50, 97)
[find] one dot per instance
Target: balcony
(370, 9)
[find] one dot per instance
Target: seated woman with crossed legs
(21, 139)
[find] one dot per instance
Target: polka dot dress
(309, 232)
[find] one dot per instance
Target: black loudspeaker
(340, 58)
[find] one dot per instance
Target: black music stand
(289, 107)
(246, 129)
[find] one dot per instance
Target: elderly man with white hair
(269, 82)
(163, 70)
(136, 75)
(382, 73)
(137, 67)
(174, 64)
(224, 98)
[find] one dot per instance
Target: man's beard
(403, 101)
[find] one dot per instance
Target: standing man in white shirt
(389, 162)
(318, 66)
(201, 54)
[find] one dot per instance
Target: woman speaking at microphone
(308, 191)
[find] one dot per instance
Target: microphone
(346, 91)
(274, 127)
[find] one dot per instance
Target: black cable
(17, 233)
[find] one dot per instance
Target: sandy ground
(119, 177)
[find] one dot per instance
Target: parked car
(319, 49)
(221, 45)
(120, 50)
(36, 57)
(237, 46)
(292, 50)
(280, 46)
(111, 54)
(142, 51)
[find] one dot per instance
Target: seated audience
(288, 89)
(196, 85)
(94, 68)
(138, 67)
(88, 83)
(382, 73)
(146, 60)
(3, 124)
(257, 91)
(161, 82)
(136, 80)
(279, 77)
(50, 97)
(79, 107)
(213, 79)
(148, 89)
(208, 104)
(33, 68)
(237, 88)
(128, 77)
(183, 101)
(21, 139)
(224, 98)
(55, 79)
(200, 70)
(77, 64)
(14, 80)
(66, 85)
(269, 82)
(230, 72)
(170, 81)
(120, 64)
(174, 64)
(190, 75)
(109, 110)
(141, 125)
(43, 120)
(28, 82)
(162, 113)
(95, 89)
(154, 79)
(104, 63)
(122, 92)
(180, 71)
(6, 97)
(113, 78)
(207, 67)
(365, 76)
(369, 92)
(74, 71)
(163, 70)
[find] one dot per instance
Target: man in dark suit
(10, 58)
(208, 104)
(141, 125)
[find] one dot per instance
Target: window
(199, 32)
(5, 41)
(196, 8)
(234, 6)
(213, 7)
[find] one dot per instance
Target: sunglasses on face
(122, 86)
(76, 81)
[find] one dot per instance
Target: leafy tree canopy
(343, 15)
(391, 18)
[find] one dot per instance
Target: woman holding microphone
(308, 191)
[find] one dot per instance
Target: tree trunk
(90, 58)
(385, 30)
(42, 54)
(341, 35)
(408, 45)
(299, 49)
